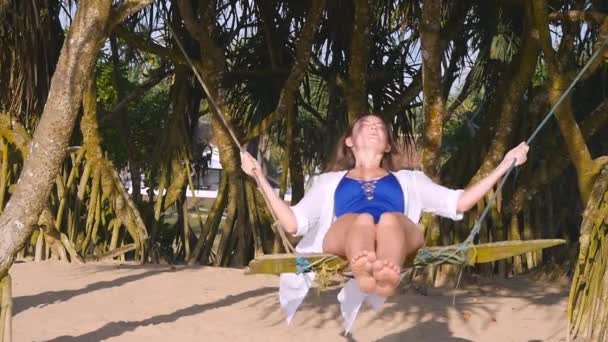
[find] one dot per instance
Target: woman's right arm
(285, 215)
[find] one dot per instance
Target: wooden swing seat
(476, 254)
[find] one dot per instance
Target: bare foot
(362, 265)
(386, 274)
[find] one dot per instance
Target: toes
(356, 257)
(391, 266)
(371, 256)
(386, 271)
(386, 274)
(361, 265)
(378, 266)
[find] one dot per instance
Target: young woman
(366, 210)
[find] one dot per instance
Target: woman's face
(369, 132)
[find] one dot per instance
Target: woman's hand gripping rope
(252, 168)
(249, 165)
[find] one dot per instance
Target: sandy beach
(113, 302)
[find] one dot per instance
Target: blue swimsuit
(372, 197)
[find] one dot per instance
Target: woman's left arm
(477, 191)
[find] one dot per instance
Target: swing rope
(219, 114)
(458, 255)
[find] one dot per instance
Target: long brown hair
(398, 158)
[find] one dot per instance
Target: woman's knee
(415, 239)
(364, 221)
(396, 221)
(391, 219)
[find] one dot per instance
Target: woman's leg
(353, 236)
(396, 238)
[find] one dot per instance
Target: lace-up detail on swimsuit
(373, 197)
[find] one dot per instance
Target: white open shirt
(315, 214)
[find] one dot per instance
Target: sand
(112, 302)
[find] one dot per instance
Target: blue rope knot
(424, 254)
(302, 265)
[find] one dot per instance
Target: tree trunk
(106, 182)
(258, 246)
(522, 68)
(39, 246)
(123, 125)
(302, 59)
(587, 169)
(356, 90)
(575, 142)
(223, 248)
(54, 130)
(433, 108)
(6, 309)
(211, 69)
(201, 26)
(556, 161)
(186, 226)
(286, 106)
(3, 173)
(296, 172)
(434, 103)
(229, 156)
(208, 233)
(587, 309)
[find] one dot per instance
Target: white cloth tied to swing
(315, 214)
